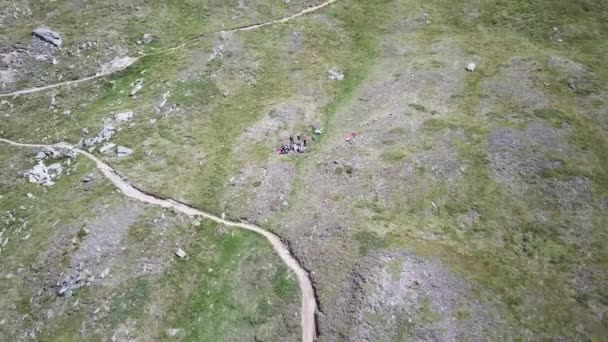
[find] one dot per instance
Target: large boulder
(48, 35)
(43, 175)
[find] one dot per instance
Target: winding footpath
(309, 305)
(178, 47)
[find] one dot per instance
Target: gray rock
(59, 151)
(55, 169)
(106, 132)
(85, 131)
(107, 148)
(122, 151)
(119, 63)
(148, 38)
(89, 177)
(40, 155)
(124, 117)
(137, 86)
(47, 35)
(39, 174)
(173, 332)
(70, 283)
(89, 142)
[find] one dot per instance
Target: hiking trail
(309, 305)
(134, 60)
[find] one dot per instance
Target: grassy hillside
(470, 206)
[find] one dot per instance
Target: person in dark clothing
(305, 141)
(291, 140)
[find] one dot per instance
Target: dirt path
(181, 46)
(309, 305)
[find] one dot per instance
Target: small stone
(107, 148)
(148, 38)
(29, 195)
(85, 131)
(124, 117)
(119, 63)
(106, 132)
(180, 253)
(87, 178)
(104, 273)
(138, 85)
(89, 142)
(173, 332)
(152, 121)
(471, 67)
(335, 75)
(122, 151)
(571, 84)
(55, 167)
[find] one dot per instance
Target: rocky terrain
(470, 204)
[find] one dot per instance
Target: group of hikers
(298, 145)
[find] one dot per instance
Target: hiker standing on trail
(351, 137)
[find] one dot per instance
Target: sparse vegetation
(500, 174)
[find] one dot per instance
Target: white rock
(124, 117)
(335, 75)
(117, 64)
(138, 85)
(40, 155)
(106, 132)
(173, 332)
(180, 253)
(148, 38)
(107, 148)
(471, 67)
(122, 151)
(55, 167)
(104, 273)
